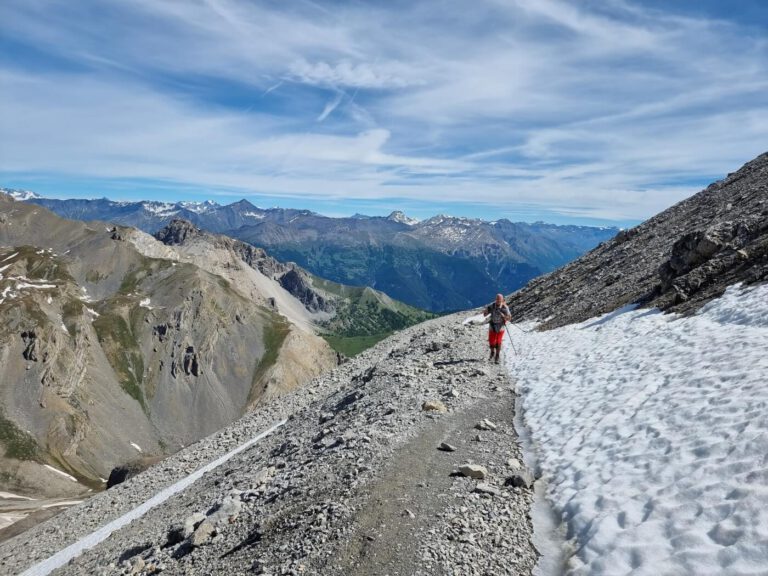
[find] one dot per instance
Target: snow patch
(62, 503)
(9, 257)
(52, 469)
(20, 195)
(652, 432)
(136, 446)
(145, 303)
(477, 319)
(25, 285)
(11, 496)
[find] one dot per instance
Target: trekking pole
(510, 339)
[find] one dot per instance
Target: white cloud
(578, 108)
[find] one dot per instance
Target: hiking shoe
(496, 360)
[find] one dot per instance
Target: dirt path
(407, 504)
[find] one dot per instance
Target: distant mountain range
(440, 264)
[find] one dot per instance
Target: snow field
(652, 431)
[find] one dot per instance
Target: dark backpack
(497, 317)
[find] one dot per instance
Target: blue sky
(565, 111)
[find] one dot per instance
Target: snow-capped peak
(20, 195)
(398, 216)
(162, 209)
(199, 207)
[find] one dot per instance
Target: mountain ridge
(438, 264)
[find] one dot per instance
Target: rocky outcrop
(298, 284)
(177, 232)
(30, 345)
(677, 260)
(705, 259)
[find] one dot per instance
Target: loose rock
(434, 406)
(473, 471)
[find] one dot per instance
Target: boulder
(520, 479)
(473, 471)
(226, 512)
(433, 406)
(514, 464)
(445, 447)
(202, 533)
(183, 530)
(485, 424)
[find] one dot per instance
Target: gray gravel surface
(354, 483)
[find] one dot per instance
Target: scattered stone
(445, 447)
(485, 488)
(138, 565)
(514, 463)
(520, 479)
(182, 531)
(433, 406)
(473, 471)
(408, 513)
(202, 534)
(485, 424)
(227, 512)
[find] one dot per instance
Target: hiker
(500, 315)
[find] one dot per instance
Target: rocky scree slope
(95, 332)
(676, 261)
(441, 264)
(355, 482)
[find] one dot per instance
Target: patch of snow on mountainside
(161, 209)
(398, 216)
(652, 432)
(20, 195)
(199, 207)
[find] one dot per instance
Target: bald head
(499, 299)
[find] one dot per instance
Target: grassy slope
(365, 316)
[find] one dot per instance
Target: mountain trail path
(411, 494)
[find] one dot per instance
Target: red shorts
(494, 338)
